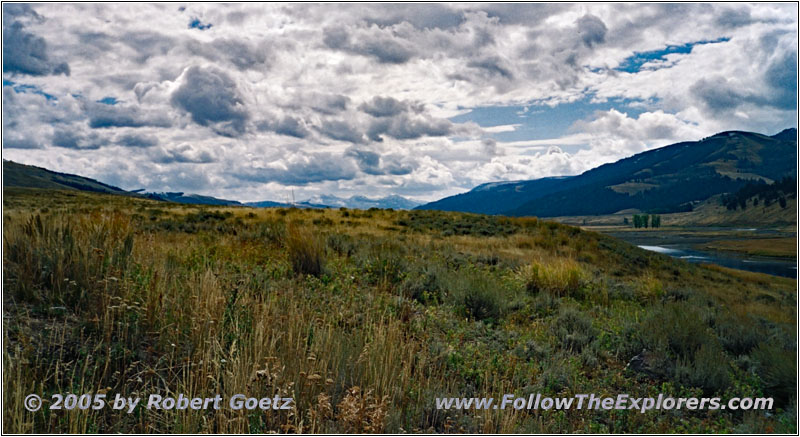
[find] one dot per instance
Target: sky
(255, 101)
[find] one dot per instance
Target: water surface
(684, 246)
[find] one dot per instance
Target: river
(685, 247)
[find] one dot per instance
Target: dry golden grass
(779, 247)
(162, 298)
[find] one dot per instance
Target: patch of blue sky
(542, 122)
(197, 24)
(634, 63)
(25, 88)
(108, 101)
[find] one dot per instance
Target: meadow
(365, 317)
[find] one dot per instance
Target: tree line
(761, 192)
(645, 221)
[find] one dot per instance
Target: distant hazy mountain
(666, 179)
(272, 204)
(195, 199)
(363, 202)
(267, 204)
(21, 175)
(497, 197)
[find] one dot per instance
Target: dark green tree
(655, 221)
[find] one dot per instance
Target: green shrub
(573, 329)
(342, 244)
(777, 368)
(272, 232)
(738, 336)
(545, 304)
(557, 376)
(707, 369)
(477, 295)
(678, 327)
(531, 351)
(424, 283)
(689, 351)
(383, 262)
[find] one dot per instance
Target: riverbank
(770, 251)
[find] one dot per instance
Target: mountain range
(363, 202)
(28, 176)
(673, 178)
(668, 179)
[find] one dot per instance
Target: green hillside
(668, 179)
(28, 176)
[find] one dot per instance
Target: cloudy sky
(251, 101)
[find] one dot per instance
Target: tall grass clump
(60, 261)
(560, 277)
(477, 295)
(306, 251)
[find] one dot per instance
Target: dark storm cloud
(493, 66)
(396, 166)
(401, 120)
(372, 42)
(212, 99)
(523, 13)
(386, 107)
(287, 125)
(336, 38)
(407, 127)
(368, 161)
(109, 116)
(182, 154)
(70, 139)
(67, 139)
(321, 102)
(734, 17)
(148, 44)
(556, 55)
(20, 143)
(372, 163)
(342, 131)
(720, 96)
(421, 16)
(304, 170)
(717, 94)
(292, 127)
(26, 53)
(11, 11)
(328, 103)
(242, 54)
(136, 140)
(386, 50)
(781, 76)
(592, 30)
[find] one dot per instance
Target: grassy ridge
(365, 317)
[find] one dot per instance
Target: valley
(761, 239)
